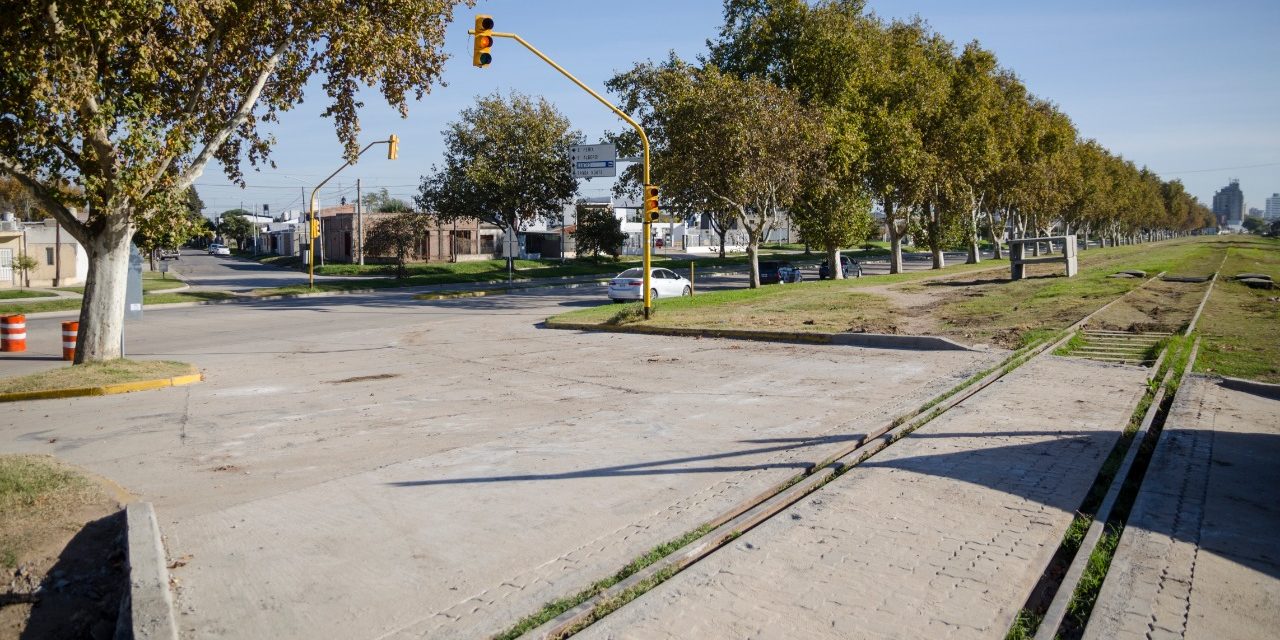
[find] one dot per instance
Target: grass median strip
(1240, 325)
(971, 309)
(18, 294)
(97, 374)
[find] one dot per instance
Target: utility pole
(359, 223)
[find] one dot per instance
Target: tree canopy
(506, 162)
(128, 102)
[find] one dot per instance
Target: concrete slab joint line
(146, 611)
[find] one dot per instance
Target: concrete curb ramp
(146, 611)
(870, 340)
(106, 390)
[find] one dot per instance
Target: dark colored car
(850, 267)
(773, 272)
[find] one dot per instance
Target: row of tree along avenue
(819, 110)
(813, 111)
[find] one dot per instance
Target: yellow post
(644, 139)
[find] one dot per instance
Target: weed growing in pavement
(556, 607)
(1024, 626)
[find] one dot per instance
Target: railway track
(1130, 348)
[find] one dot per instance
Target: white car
(213, 248)
(222, 251)
(663, 283)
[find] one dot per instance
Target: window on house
(48, 255)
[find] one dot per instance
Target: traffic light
(651, 203)
(393, 150)
(480, 56)
(315, 228)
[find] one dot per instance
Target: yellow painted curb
(105, 390)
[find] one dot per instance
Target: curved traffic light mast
(481, 57)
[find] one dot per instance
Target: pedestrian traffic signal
(393, 151)
(651, 203)
(480, 56)
(315, 228)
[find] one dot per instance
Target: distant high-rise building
(1273, 208)
(1228, 205)
(1255, 212)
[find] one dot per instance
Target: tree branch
(60, 212)
(242, 114)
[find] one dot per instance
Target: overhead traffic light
(651, 203)
(480, 55)
(393, 149)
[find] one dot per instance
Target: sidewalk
(943, 535)
(1200, 556)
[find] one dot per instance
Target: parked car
(663, 283)
(773, 272)
(213, 248)
(222, 250)
(168, 254)
(850, 267)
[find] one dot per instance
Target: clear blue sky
(1188, 88)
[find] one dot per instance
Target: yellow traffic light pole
(313, 223)
(644, 138)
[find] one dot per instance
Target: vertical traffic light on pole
(393, 147)
(651, 203)
(480, 55)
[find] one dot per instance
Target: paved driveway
(371, 466)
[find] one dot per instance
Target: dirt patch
(380, 376)
(61, 549)
(1161, 306)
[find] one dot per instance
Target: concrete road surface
(1200, 554)
(369, 466)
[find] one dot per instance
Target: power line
(1248, 166)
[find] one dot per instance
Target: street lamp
(313, 222)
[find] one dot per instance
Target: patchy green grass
(96, 375)
(39, 498)
(151, 281)
(814, 306)
(59, 304)
(1240, 326)
(186, 296)
(1001, 311)
(17, 294)
(987, 308)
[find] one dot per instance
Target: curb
(105, 390)
(868, 340)
(146, 611)
(1263, 389)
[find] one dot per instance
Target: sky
(1188, 88)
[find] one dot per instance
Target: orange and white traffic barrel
(13, 333)
(69, 332)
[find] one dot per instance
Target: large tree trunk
(102, 312)
(975, 253)
(722, 234)
(995, 236)
(753, 262)
(895, 239)
(934, 232)
(835, 269)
